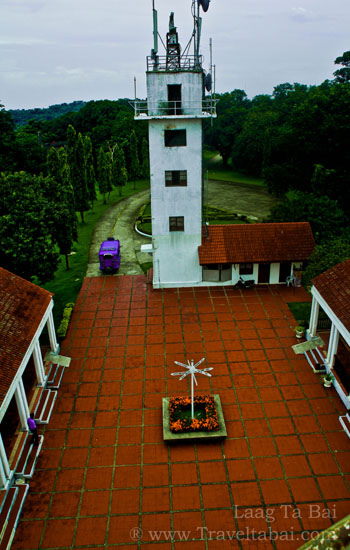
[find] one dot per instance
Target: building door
(174, 99)
(285, 269)
(264, 273)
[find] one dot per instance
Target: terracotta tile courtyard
(105, 478)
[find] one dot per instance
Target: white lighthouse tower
(175, 107)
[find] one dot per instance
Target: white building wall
(176, 253)
(274, 273)
(191, 90)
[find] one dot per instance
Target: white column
(315, 308)
(3, 478)
(333, 345)
(54, 346)
(22, 405)
(3, 460)
(39, 365)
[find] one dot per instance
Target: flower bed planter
(207, 417)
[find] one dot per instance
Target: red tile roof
(334, 287)
(259, 242)
(22, 307)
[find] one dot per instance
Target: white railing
(174, 62)
(175, 108)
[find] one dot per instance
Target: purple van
(109, 254)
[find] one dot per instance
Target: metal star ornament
(192, 370)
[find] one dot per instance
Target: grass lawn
(213, 163)
(67, 283)
(300, 310)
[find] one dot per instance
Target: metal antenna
(155, 31)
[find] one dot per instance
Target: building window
(174, 99)
(246, 269)
(175, 138)
(176, 223)
(175, 178)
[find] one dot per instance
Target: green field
(212, 163)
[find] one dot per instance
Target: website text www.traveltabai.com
(250, 533)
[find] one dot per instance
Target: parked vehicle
(245, 283)
(109, 255)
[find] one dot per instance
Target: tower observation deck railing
(203, 108)
(164, 63)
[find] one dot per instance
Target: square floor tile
(246, 494)
(91, 529)
(65, 504)
(125, 501)
(268, 467)
(95, 503)
(186, 498)
(58, 533)
(184, 473)
(212, 472)
(155, 499)
(216, 496)
(240, 470)
(127, 476)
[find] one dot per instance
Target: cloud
(302, 15)
(24, 42)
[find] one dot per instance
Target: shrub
(67, 312)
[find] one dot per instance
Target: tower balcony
(204, 108)
(174, 62)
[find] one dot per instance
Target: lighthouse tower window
(176, 223)
(174, 99)
(175, 138)
(175, 178)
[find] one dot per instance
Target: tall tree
(103, 173)
(7, 141)
(145, 159)
(134, 156)
(232, 109)
(64, 227)
(76, 162)
(325, 256)
(90, 171)
(26, 220)
(326, 218)
(343, 74)
(119, 173)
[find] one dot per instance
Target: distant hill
(22, 116)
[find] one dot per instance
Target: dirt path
(119, 220)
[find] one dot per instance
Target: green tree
(103, 173)
(343, 75)
(119, 173)
(325, 255)
(221, 134)
(326, 218)
(90, 171)
(252, 151)
(76, 162)
(7, 141)
(145, 159)
(134, 172)
(64, 226)
(28, 246)
(30, 152)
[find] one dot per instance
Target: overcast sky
(55, 51)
